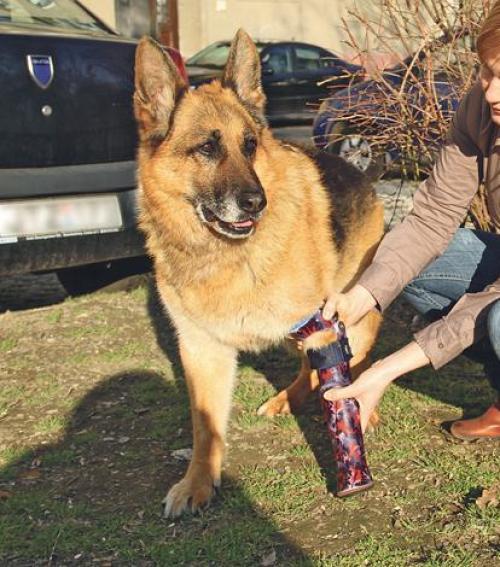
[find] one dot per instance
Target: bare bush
(407, 108)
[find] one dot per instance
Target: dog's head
(208, 139)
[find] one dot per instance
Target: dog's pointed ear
(158, 86)
(242, 74)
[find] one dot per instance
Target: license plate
(59, 216)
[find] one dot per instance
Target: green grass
(9, 396)
(79, 358)
(273, 486)
(51, 424)
(125, 352)
(301, 451)
(98, 499)
(12, 454)
(7, 344)
(58, 457)
(54, 317)
(11, 459)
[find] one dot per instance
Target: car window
(278, 59)
(62, 14)
(310, 59)
(212, 56)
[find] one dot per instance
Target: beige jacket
(472, 149)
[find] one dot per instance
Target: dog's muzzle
(236, 219)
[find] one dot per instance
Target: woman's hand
(368, 389)
(370, 386)
(350, 306)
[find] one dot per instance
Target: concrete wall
(317, 21)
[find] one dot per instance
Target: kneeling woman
(451, 275)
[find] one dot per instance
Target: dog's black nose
(252, 201)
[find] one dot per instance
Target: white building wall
(317, 21)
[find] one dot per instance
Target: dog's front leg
(210, 370)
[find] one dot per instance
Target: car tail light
(179, 61)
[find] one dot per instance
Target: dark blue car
(295, 75)
(356, 122)
(68, 144)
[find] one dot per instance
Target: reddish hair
(488, 41)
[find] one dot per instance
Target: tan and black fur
(248, 236)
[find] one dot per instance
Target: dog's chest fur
(248, 305)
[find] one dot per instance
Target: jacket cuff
(439, 343)
(384, 288)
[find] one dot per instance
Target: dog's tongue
(243, 224)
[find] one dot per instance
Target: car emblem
(41, 69)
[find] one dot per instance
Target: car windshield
(48, 14)
(215, 56)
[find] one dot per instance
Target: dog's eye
(208, 149)
(249, 146)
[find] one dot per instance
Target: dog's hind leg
(362, 337)
(210, 370)
(292, 398)
(359, 364)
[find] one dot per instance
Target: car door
(277, 75)
(311, 66)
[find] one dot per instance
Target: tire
(87, 279)
(354, 148)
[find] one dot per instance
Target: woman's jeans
(469, 264)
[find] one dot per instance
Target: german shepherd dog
(248, 235)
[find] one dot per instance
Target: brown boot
(484, 426)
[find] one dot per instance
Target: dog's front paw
(194, 491)
(277, 405)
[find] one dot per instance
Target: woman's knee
(494, 327)
(424, 300)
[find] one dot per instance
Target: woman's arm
(370, 386)
(439, 206)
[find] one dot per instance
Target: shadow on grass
(95, 496)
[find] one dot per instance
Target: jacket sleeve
(465, 324)
(439, 206)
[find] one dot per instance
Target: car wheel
(356, 149)
(87, 279)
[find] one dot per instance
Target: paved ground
(396, 195)
(299, 134)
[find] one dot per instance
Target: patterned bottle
(342, 417)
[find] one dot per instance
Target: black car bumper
(38, 253)
(69, 179)
(69, 251)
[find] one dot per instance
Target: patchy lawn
(93, 408)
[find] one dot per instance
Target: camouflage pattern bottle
(342, 417)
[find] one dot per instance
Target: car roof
(266, 42)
